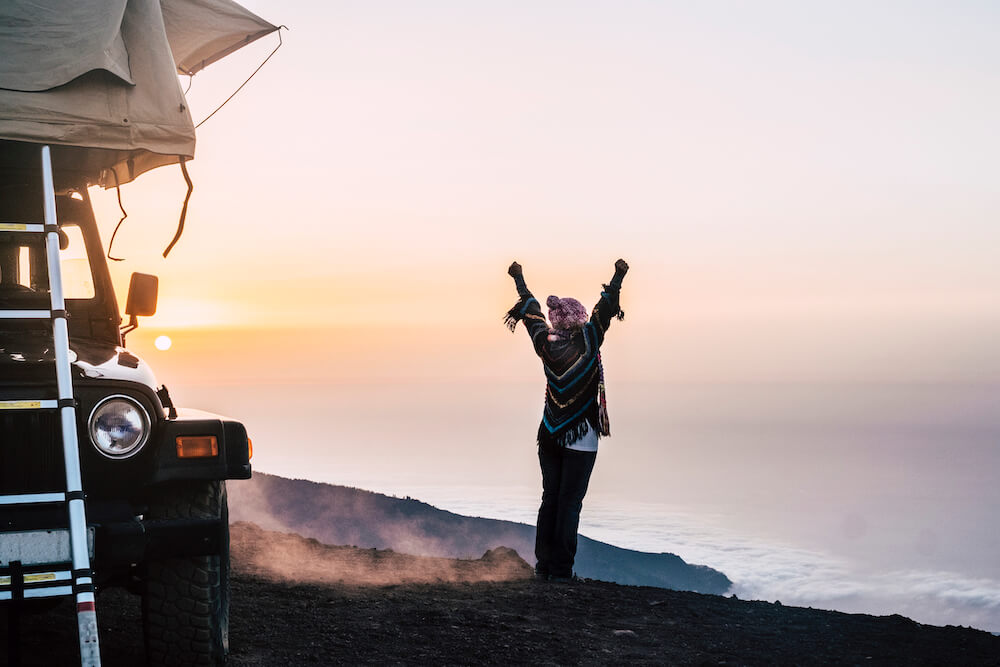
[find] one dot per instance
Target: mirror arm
(133, 324)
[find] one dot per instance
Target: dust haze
(265, 543)
(294, 559)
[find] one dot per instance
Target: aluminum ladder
(68, 573)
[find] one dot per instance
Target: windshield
(24, 274)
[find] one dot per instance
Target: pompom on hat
(566, 313)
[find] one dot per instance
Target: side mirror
(142, 290)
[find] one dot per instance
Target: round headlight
(119, 427)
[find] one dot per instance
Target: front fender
(231, 462)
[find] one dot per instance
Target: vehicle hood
(29, 357)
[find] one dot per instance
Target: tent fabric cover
(99, 77)
(201, 32)
(59, 43)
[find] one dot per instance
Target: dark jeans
(565, 476)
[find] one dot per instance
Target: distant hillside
(345, 516)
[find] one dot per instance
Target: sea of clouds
(761, 569)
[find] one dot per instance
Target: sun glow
(183, 313)
(163, 343)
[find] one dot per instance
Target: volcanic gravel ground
(519, 621)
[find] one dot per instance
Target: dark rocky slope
(516, 621)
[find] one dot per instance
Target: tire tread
(185, 605)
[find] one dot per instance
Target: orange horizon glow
(368, 194)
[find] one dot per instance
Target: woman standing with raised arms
(575, 415)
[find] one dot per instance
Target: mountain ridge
(339, 515)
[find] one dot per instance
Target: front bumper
(43, 558)
(139, 541)
(118, 536)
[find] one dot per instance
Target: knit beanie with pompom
(566, 313)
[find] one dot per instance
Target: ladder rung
(40, 578)
(54, 591)
(31, 498)
(25, 314)
(29, 405)
(21, 227)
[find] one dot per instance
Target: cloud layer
(764, 569)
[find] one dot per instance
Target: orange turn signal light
(250, 446)
(197, 446)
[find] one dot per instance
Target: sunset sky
(801, 188)
(806, 193)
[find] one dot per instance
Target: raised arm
(528, 309)
(517, 273)
(607, 306)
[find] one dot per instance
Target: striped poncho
(574, 377)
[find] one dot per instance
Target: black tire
(185, 602)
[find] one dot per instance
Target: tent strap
(118, 190)
(245, 82)
(184, 209)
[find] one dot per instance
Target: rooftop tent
(97, 79)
